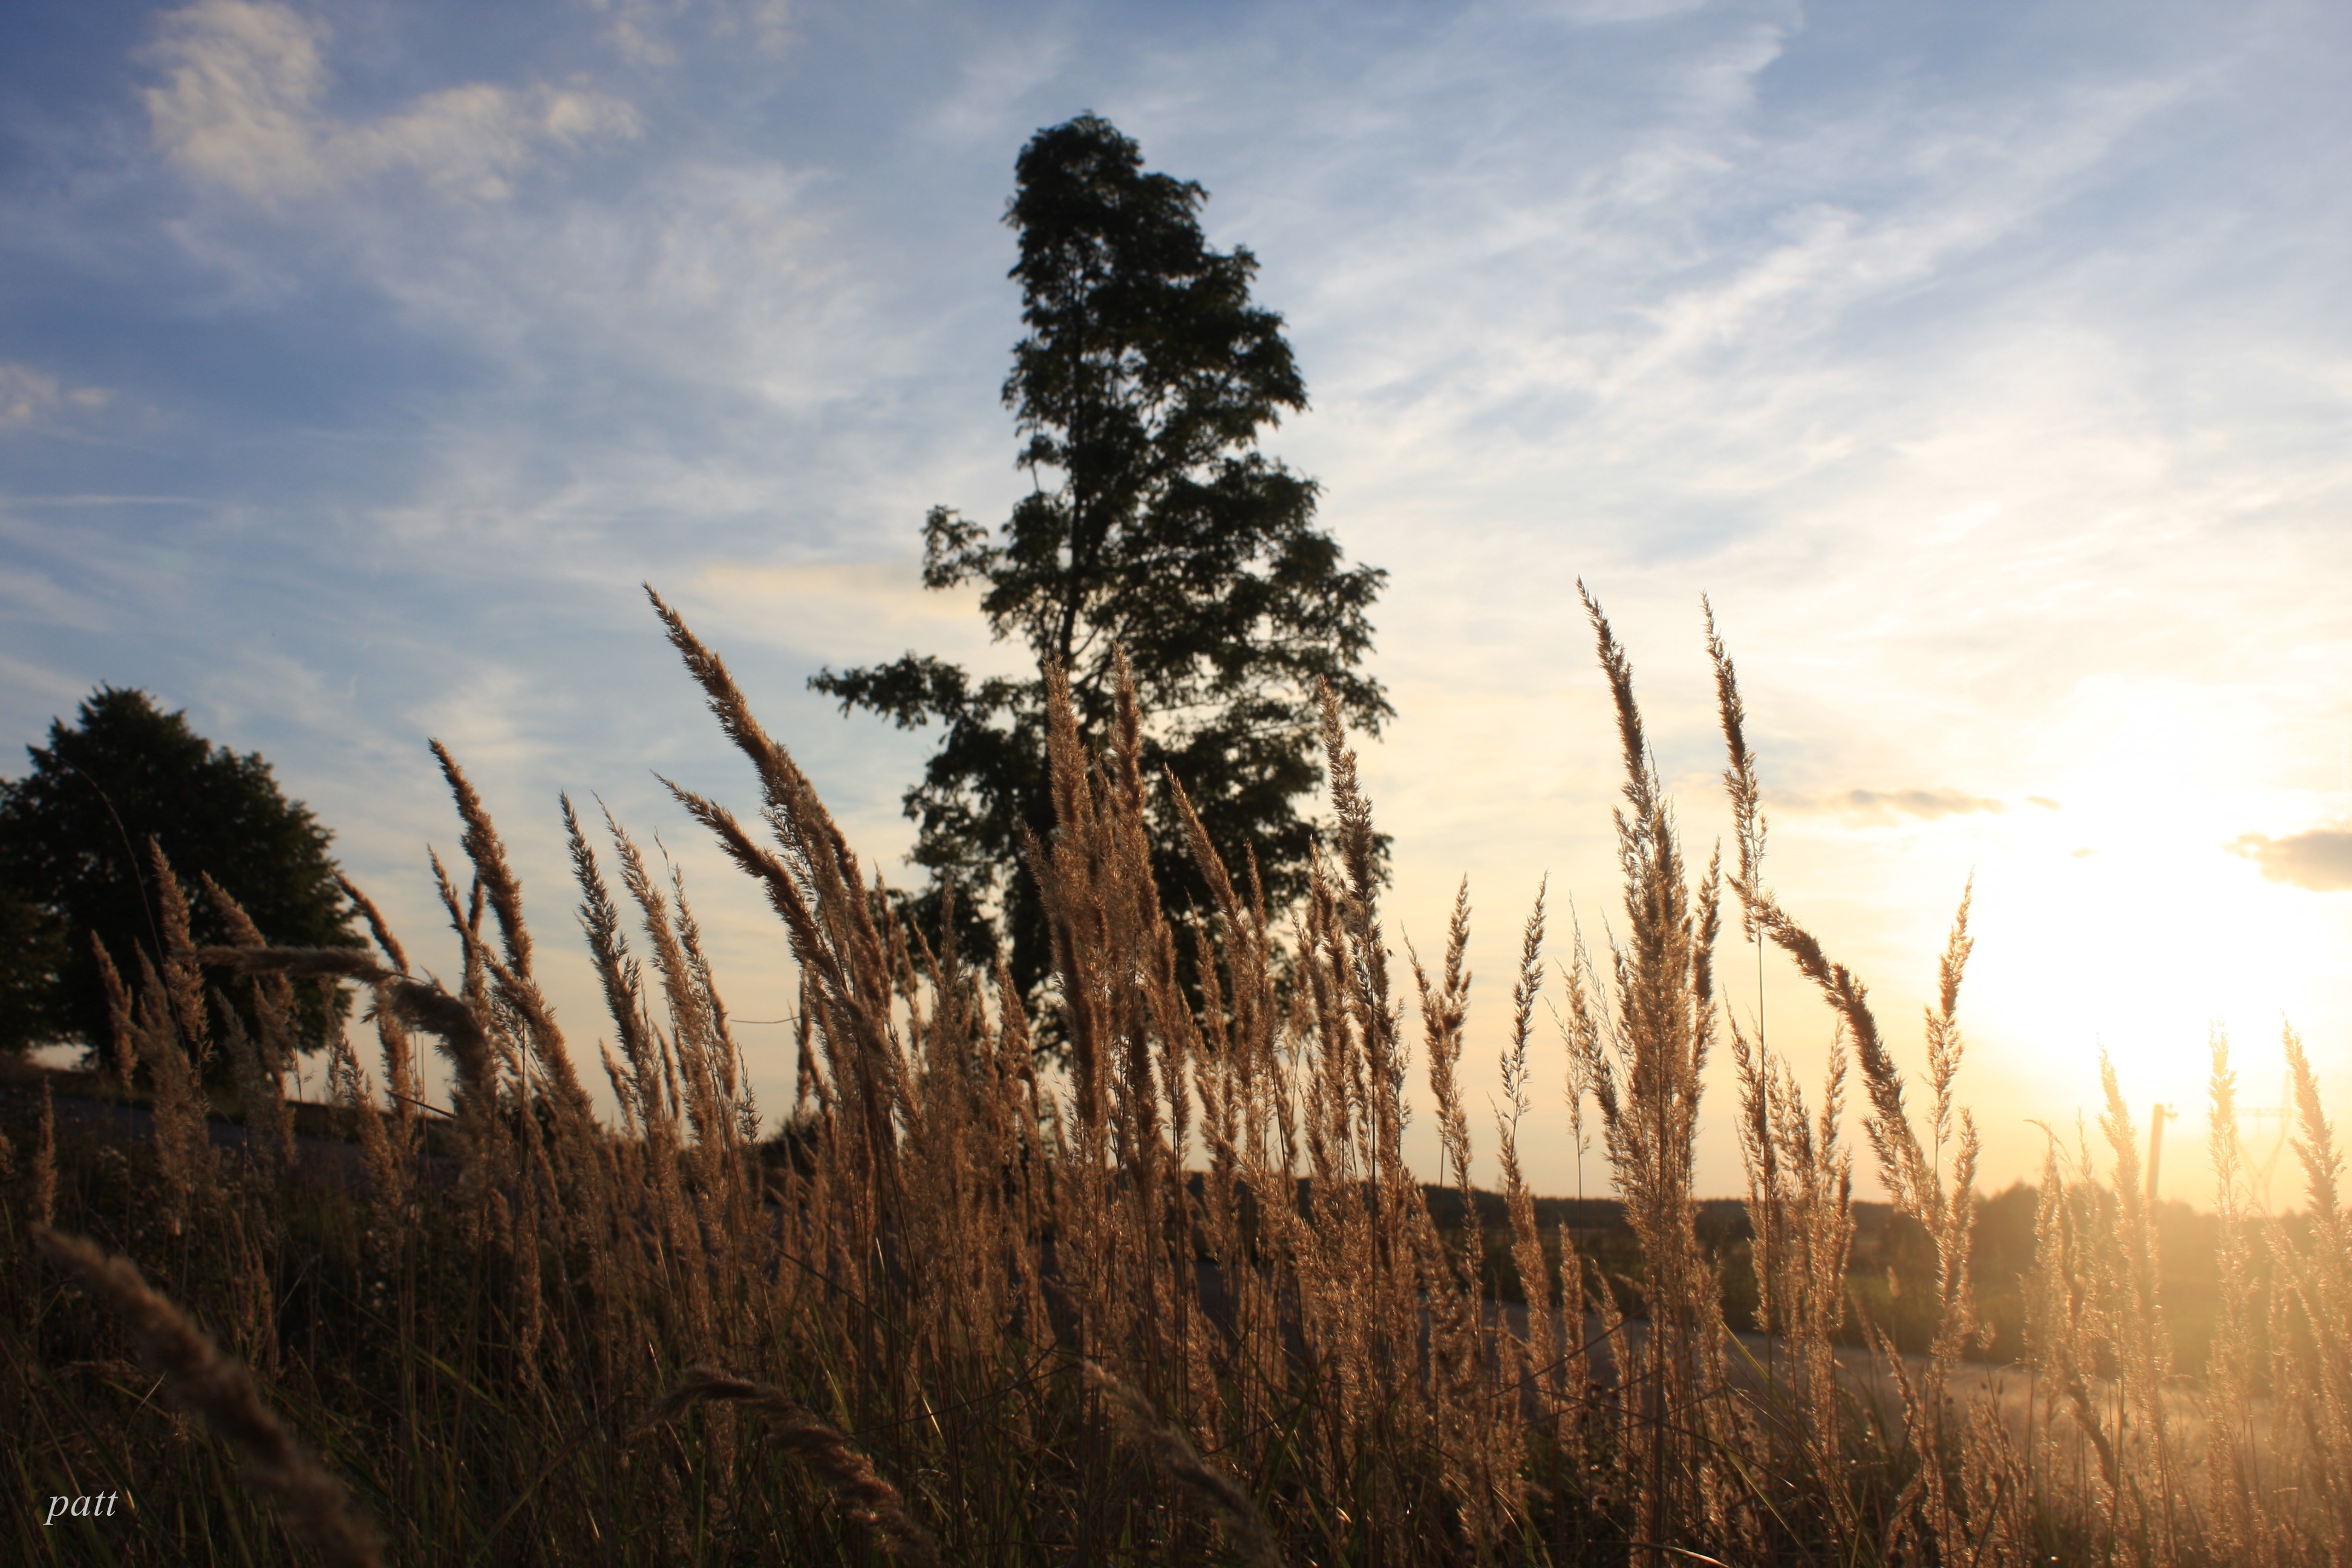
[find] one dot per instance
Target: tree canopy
(75, 862)
(1155, 529)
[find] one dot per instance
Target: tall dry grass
(1177, 1297)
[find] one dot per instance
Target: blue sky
(1989, 365)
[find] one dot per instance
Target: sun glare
(2118, 918)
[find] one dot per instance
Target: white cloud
(241, 106)
(644, 32)
(29, 395)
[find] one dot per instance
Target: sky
(1989, 366)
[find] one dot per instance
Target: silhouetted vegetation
(1157, 540)
(975, 1307)
(78, 837)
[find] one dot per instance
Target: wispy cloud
(2319, 858)
(659, 33)
(241, 105)
(28, 395)
(1889, 804)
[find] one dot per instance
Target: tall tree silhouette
(1155, 528)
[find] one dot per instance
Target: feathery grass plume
(1528, 1363)
(45, 1162)
(315, 1508)
(1801, 1197)
(464, 911)
(1767, 1194)
(1080, 874)
(1768, 1184)
(1334, 1240)
(1402, 1241)
(1161, 1005)
(1591, 1072)
(1660, 1032)
(2319, 1274)
(1914, 1173)
(390, 1180)
(183, 1143)
(2142, 1344)
(1950, 1218)
(726, 1052)
(693, 1038)
(1173, 1454)
(510, 971)
(268, 1121)
(1125, 1216)
(1541, 1347)
(653, 914)
(176, 1044)
(1739, 781)
(184, 981)
(623, 985)
(1901, 1160)
(258, 1067)
(123, 1031)
(2315, 1145)
(847, 1474)
(1065, 868)
(1368, 953)
(402, 1082)
(1444, 1011)
(636, 1087)
(1240, 1080)
(1463, 1406)
(1572, 1386)
(2236, 1511)
(273, 996)
(2067, 1318)
(819, 890)
(402, 1076)
(421, 1004)
(377, 925)
(480, 1133)
(1905, 1168)
(484, 849)
(808, 1083)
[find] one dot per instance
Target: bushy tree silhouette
(74, 862)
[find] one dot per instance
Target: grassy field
(972, 1307)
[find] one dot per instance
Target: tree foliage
(1155, 530)
(75, 862)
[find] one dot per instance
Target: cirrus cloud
(1884, 803)
(28, 395)
(240, 106)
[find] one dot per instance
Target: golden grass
(1177, 1297)
(849, 1475)
(195, 1376)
